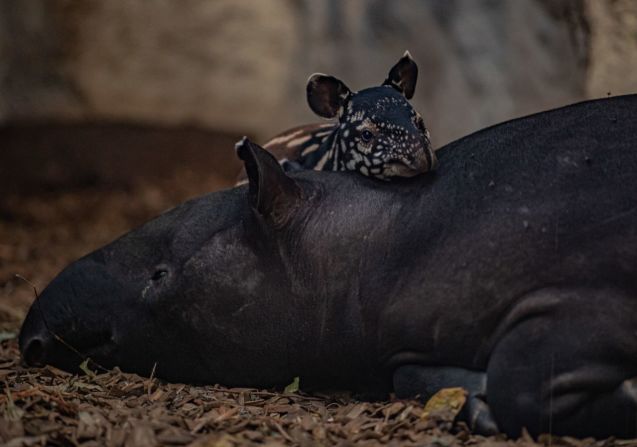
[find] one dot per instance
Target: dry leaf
(445, 404)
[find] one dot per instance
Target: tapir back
(545, 200)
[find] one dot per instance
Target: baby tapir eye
(367, 136)
(159, 274)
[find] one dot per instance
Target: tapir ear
(271, 192)
(326, 95)
(403, 76)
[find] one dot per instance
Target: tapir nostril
(33, 352)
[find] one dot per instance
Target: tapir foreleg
(424, 381)
(569, 370)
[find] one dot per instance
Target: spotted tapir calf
(511, 271)
(377, 132)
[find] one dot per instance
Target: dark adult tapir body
(516, 263)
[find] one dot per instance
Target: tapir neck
(345, 267)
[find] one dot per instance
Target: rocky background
(115, 93)
(240, 66)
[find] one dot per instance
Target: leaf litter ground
(39, 235)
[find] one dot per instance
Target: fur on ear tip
(314, 77)
(239, 144)
(242, 146)
(407, 54)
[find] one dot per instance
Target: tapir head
(381, 135)
(147, 297)
(205, 293)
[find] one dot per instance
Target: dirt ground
(41, 233)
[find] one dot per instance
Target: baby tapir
(510, 271)
(377, 133)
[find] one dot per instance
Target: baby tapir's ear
(326, 95)
(403, 76)
(271, 193)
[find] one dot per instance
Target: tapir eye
(367, 136)
(159, 274)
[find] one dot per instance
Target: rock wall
(613, 50)
(241, 65)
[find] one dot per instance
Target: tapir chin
(511, 271)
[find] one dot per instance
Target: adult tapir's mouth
(70, 322)
(41, 345)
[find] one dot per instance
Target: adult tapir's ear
(271, 192)
(403, 76)
(326, 95)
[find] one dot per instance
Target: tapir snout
(55, 333)
(423, 159)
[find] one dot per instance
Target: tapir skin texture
(516, 260)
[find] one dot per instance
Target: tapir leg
(425, 381)
(567, 367)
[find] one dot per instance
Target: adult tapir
(511, 271)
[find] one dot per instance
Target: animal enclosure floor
(39, 235)
(51, 407)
